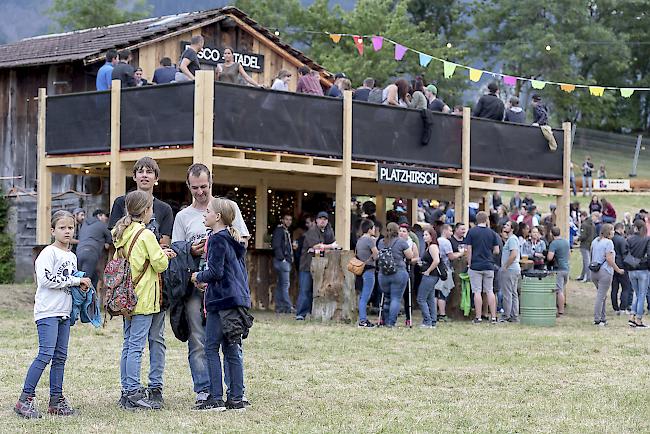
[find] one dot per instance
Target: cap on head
(431, 88)
(322, 214)
(493, 87)
(537, 97)
(78, 210)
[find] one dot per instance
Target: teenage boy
(282, 260)
(510, 272)
(559, 252)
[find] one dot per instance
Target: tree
(85, 14)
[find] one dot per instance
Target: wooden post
(380, 203)
(563, 201)
(463, 216)
(458, 201)
(44, 201)
(413, 208)
(203, 117)
(261, 212)
(118, 174)
(344, 182)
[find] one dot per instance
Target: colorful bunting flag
(475, 74)
(568, 88)
(400, 51)
(596, 90)
(425, 59)
(377, 42)
(626, 92)
(510, 80)
(449, 69)
(538, 84)
(335, 37)
(358, 42)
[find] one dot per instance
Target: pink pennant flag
(509, 80)
(400, 51)
(377, 42)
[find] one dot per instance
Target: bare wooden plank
(344, 181)
(118, 181)
(44, 209)
(465, 164)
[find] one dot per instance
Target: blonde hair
(606, 230)
(136, 204)
(392, 232)
(61, 215)
(225, 207)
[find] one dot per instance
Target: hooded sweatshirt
(516, 115)
(55, 270)
(226, 274)
(93, 235)
(149, 291)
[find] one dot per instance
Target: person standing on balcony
(396, 94)
(515, 202)
(515, 113)
(540, 111)
(418, 100)
(232, 72)
(103, 81)
(335, 91)
(490, 106)
(139, 79)
(123, 71)
(308, 83)
(435, 103)
(281, 82)
(362, 93)
(189, 62)
(587, 175)
(166, 73)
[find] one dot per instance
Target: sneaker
(245, 401)
(26, 408)
(365, 324)
(631, 323)
(425, 326)
(122, 401)
(300, 318)
(235, 405)
(641, 326)
(596, 323)
(137, 401)
(603, 324)
(618, 312)
(60, 407)
(493, 321)
(477, 321)
(154, 395)
(210, 404)
(504, 319)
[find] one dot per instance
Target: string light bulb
(449, 45)
(305, 194)
(269, 191)
(548, 48)
(86, 171)
(276, 33)
(236, 188)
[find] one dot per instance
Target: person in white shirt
(281, 82)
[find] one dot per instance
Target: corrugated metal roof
(91, 44)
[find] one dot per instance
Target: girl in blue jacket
(227, 288)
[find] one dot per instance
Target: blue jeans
(393, 287)
(574, 188)
(427, 300)
(587, 182)
(282, 300)
(233, 363)
(136, 333)
(53, 337)
(368, 285)
(157, 350)
(226, 371)
(639, 280)
(196, 342)
(306, 296)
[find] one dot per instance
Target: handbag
(356, 266)
(594, 267)
(632, 262)
(441, 271)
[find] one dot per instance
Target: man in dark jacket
(282, 260)
(94, 239)
(621, 249)
(587, 235)
(123, 71)
(319, 237)
(490, 106)
(515, 113)
(540, 111)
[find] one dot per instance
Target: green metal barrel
(537, 305)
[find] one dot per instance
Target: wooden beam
(68, 160)
(491, 186)
(203, 117)
(413, 210)
(261, 212)
(344, 181)
(463, 215)
(380, 203)
(118, 181)
(44, 193)
(563, 201)
(159, 155)
(458, 201)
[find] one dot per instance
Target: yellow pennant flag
(626, 92)
(568, 87)
(537, 84)
(335, 37)
(596, 90)
(475, 74)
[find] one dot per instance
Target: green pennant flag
(626, 92)
(537, 84)
(449, 69)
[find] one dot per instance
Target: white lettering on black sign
(213, 56)
(387, 174)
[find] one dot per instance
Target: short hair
(445, 227)
(303, 70)
(366, 225)
(369, 82)
(457, 225)
(606, 230)
(138, 69)
(640, 227)
(124, 54)
(99, 212)
(481, 217)
(196, 40)
(618, 226)
(111, 55)
(493, 87)
(196, 170)
(514, 100)
(555, 231)
(166, 61)
(286, 213)
(583, 213)
(146, 162)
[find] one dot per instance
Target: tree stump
(334, 293)
(453, 303)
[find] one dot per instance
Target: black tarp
(78, 123)
(154, 116)
(393, 134)
(277, 121)
(513, 149)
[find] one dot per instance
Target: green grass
(622, 202)
(311, 377)
(617, 161)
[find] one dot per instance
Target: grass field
(622, 202)
(310, 377)
(618, 161)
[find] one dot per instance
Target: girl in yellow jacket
(147, 260)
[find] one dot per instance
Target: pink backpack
(120, 298)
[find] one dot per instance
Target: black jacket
(640, 249)
(281, 244)
(516, 115)
(125, 73)
(178, 287)
(620, 248)
(235, 324)
(540, 114)
(489, 107)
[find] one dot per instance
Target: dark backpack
(120, 296)
(386, 262)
